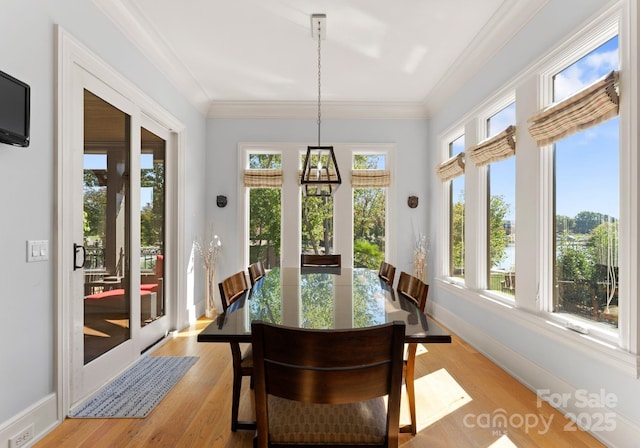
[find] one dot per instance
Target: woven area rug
(137, 390)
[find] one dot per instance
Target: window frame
(291, 153)
(533, 254)
(581, 45)
(446, 212)
(503, 101)
(385, 153)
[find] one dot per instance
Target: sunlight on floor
(188, 333)
(91, 332)
(503, 442)
(437, 395)
(123, 323)
(194, 329)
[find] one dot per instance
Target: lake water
(509, 262)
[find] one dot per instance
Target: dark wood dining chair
(387, 272)
(256, 272)
(330, 260)
(416, 290)
(231, 289)
(298, 372)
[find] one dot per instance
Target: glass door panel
(152, 227)
(106, 210)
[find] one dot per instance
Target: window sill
(601, 349)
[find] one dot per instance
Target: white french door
(118, 288)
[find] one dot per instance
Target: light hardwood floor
(461, 396)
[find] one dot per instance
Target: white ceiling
(231, 57)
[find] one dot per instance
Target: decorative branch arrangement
(209, 254)
(420, 257)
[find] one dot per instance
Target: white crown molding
(510, 18)
(150, 42)
(309, 109)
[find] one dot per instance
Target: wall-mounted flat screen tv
(15, 100)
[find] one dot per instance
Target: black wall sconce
(412, 201)
(221, 200)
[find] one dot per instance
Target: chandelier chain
(319, 84)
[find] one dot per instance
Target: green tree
(457, 238)
(95, 209)
(604, 253)
(152, 215)
(573, 263)
(585, 222)
(366, 255)
(148, 235)
(317, 224)
(604, 244)
(369, 209)
(565, 224)
(498, 238)
(369, 215)
(265, 211)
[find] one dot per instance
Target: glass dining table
(322, 298)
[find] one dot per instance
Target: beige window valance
(453, 167)
(370, 178)
(499, 147)
(590, 106)
(263, 178)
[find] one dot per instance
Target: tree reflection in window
(317, 292)
(368, 299)
(267, 305)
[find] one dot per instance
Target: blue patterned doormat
(137, 390)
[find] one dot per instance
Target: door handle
(77, 248)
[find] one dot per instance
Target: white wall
(410, 137)
(27, 183)
(517, 340)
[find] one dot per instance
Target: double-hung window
(370, 180)
(451, 172)
(496, 152)
(280, 222)
(263, 180)
(580, 134)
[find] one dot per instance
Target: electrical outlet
(22, 439)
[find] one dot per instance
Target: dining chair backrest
(296, 369)
(232, 288)
(334, 260)
(387, 272)
(256, 271)
(416, 290)
(413, 288)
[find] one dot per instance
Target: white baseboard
(606, 424)
(42, 415)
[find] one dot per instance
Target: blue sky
(99, 161)
(587, 163)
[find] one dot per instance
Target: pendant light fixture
(320, 174)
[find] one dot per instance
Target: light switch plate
(37, 250)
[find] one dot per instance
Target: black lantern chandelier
(320, 173)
